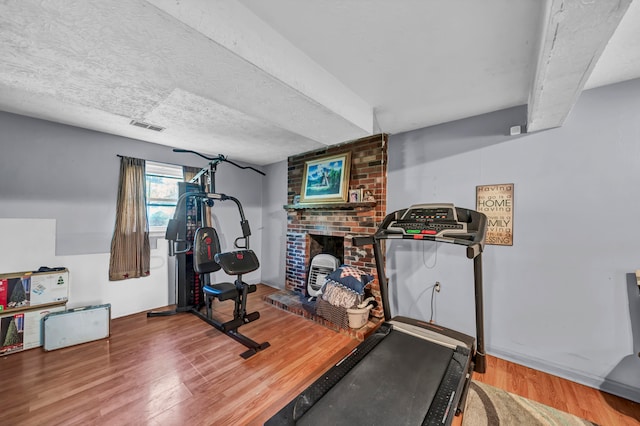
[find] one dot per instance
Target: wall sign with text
(496, 201)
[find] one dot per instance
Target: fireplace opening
(326, 244)
(323, 252)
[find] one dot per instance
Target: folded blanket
(351, 277)
(342, 289)
(339, 295)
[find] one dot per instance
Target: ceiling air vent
(146, 125)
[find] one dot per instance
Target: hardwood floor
(590, 404)
(178, 370)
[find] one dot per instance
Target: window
(162, 193)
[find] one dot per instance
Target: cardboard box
(22, 290)
(22, 330)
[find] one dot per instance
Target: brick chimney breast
(344, 220)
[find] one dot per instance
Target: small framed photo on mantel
(355, 195)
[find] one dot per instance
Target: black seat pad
(206, 246)
(226, 291)
(221, 291)
(238, 262)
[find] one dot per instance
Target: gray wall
(561, 298)
(274, 220)
(50, 170)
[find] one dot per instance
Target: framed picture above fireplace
(326, 179)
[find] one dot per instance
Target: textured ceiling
(259, 81)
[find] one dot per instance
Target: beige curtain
(130, 250)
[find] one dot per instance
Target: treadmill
(408, 372)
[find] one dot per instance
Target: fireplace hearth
(298, 304)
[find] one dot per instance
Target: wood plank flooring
(179, 370)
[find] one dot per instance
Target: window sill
(157, 233)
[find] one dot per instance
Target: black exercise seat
(233, 263)
(221, 291)
(238, 262)
(208, 259)
(225, 291)
(207, 246)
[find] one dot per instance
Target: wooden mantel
(330, 206)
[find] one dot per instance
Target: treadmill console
(428, 219)
(435, 222)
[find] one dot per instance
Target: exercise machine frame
(204, 199)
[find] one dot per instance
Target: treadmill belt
(393, 385)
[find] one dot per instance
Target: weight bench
(207, 258)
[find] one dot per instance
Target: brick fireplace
(342, 220)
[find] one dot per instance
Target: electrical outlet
(438, 286)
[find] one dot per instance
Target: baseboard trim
(604, 384)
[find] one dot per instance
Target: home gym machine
(408, 372)
(198, 254)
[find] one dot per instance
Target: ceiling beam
(302, 84)
(575, 34)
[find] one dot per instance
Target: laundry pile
(344, 289)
